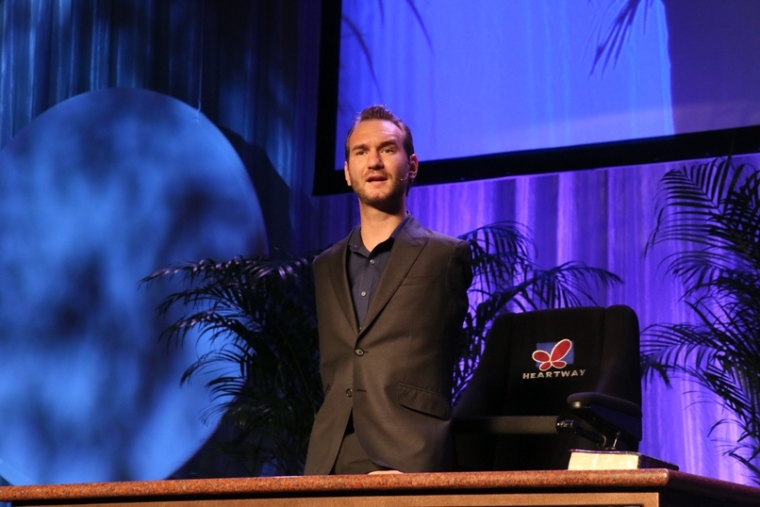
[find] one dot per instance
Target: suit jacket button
(359, 352)
(349, 392)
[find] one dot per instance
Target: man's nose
(375, 162)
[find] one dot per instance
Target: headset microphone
(406, 177)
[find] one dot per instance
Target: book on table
(581, 459)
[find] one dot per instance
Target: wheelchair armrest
(581, 401)
(608, 413)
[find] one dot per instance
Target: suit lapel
(339, 279)
(406, 248)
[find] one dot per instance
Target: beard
(389, 198)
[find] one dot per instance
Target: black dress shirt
(365, 267)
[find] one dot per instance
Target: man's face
(378, 169)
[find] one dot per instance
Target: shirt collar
(355, 240)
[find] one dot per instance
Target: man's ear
(346, 174)
(413, 166)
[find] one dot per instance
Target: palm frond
(500, 251)
(610, 45)
(712, 211)
(570, 284)
(259, 314)
(689, 204)
(506, 279)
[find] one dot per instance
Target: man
(391, 298)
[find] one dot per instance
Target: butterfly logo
(553, 359)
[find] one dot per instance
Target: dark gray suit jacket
(395, 371)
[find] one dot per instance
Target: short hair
(378, 112)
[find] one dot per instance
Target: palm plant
(260, 317)
(714, 209)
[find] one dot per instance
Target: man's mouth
(374, 178)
